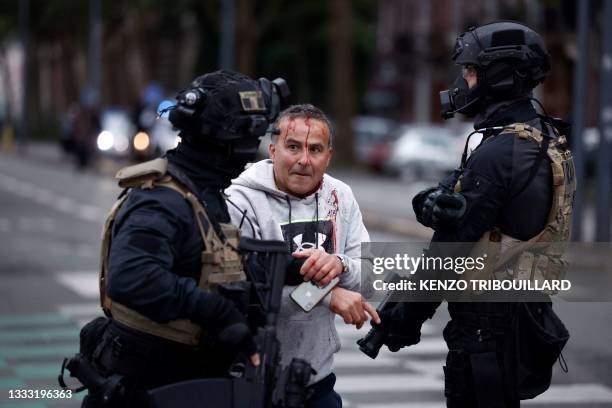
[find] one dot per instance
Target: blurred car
(424, 152)
(373, 136)
(119, 138)
(163, 136)
(116, 133)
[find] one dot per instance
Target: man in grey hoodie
(290, 198)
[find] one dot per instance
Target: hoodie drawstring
(290, 227)
(317, 220)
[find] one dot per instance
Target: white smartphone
(307, 295)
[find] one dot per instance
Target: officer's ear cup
(499, 77)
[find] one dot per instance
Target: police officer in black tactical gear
(170, 254)
(516, 185)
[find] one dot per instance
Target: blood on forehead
(290, 126)
(309, 123)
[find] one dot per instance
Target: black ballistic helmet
(226, 106)
(510, 59)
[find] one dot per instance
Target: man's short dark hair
(303, 111)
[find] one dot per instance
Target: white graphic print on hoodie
(329, 219)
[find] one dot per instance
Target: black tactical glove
(400, 333)
(229, 324)
(437, 209)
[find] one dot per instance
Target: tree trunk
(247, 38)
(342, 95)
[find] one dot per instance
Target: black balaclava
(505, 112)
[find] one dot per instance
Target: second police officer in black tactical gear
(516, 185)
(168, 245)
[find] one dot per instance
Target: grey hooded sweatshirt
(329, 219)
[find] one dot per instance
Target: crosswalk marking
(425, 367)
(347, 331)
(5, 225)
(427, 346)
(24, 405)
(44, 334)
(33, 320)
(557, 395)
(354, 359)
(387, 382)
(85, 283)
(573, 394)
(80, 309)
(37, 371)
(37, 351)
(8, 383)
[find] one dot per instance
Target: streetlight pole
(95, 44)
(580, 87)
(604, 167)
(228, 29)
(24, 22)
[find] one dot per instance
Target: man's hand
(319, 266)
(352, 307)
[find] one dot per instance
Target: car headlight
(121, 143)
(141, 141)
(105, 140)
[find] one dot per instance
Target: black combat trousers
(475, 374)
